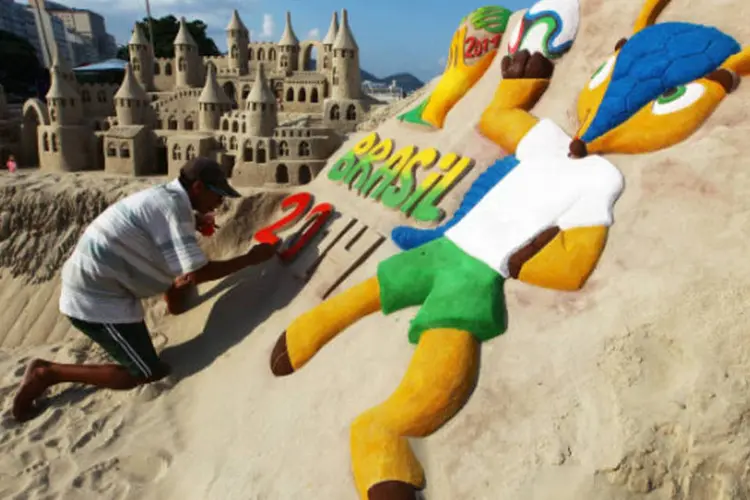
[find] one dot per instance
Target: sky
(394, 36)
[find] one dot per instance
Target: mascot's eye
(678, 98)
(601, 74)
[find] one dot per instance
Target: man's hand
(177, 294)
(262, 252)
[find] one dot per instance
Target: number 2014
(474, 47)
(301, 204)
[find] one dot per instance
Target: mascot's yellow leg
(313, 329)
(437, 383)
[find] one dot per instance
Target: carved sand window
(351, 112)
(190, 152)
(260, 150)
(283, 148)
(304, 148)
(335, 112)
(124, 150)
(305, 175)
(111, 149)
(176, 152)
(282, 174)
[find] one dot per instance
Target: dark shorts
(129, 344)
(454, 289)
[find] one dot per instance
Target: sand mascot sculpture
(540, 215)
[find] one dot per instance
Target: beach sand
(635, 387)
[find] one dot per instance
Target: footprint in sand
(101, 433)
(47, 422)
(145, 468)
(102, 479)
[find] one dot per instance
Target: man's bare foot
(35, 382)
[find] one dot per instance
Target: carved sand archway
(34, 114)
(305, 54)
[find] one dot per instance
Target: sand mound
(634, 388)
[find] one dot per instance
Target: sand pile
(634, 388)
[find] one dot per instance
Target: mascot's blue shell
(654, 60)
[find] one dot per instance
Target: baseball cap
(210, 174)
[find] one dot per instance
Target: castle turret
(64, 70)
(131, 101)
(187, 59)
(288, 47)
(63, 101)
(213, 102)
(330, 37)
(141, 58)
(261, 107)
(345, 77)
(237, 40)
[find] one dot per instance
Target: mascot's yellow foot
(281, 365)
(392, 490)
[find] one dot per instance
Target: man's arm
(217, 269)
(213, 270)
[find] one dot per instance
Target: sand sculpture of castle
(257, 110)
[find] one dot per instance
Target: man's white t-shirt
(131, 251)
(546, 189)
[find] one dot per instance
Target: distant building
(382, 91)
(78, 37)
(89, 25)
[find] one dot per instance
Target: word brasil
(300, 204)
(394, 183)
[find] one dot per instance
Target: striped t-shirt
(131, 251)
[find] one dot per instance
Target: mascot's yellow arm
(566, 262)
(507, 120)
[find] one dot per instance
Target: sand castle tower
(346, 79)
(187, 58)
(212, 103)
(141, 58)
(238, 39)
(63, 100)
(330, 37)
(131, 101)
(65, 142)
(64, 70)
(261, 107)
(288, 47)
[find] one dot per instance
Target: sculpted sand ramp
(633, 387)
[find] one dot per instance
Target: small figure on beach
(141, 246)
(11, 164)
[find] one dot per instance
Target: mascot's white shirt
(546, 188)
